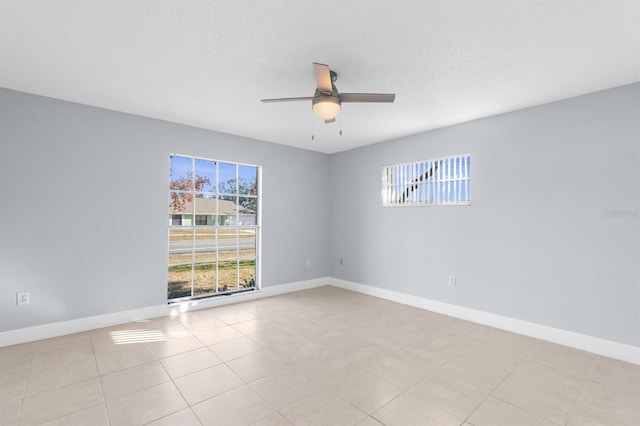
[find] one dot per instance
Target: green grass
(179, 277)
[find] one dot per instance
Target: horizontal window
(443, 181)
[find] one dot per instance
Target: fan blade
(310, 98)
(329, 121)
(323, 78)
(367, 97)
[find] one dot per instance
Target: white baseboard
(46, 331)
(583, 342)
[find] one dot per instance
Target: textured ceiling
(207, 63)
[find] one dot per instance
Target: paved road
(209, 245)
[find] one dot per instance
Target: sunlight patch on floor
(123, 337)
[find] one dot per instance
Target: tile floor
(324, 356)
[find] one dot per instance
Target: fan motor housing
(322, 97)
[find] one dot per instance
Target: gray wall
(552, 235)
(72, 178)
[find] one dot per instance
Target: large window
(443, 181)
(214, 227)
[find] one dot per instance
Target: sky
(182, 166)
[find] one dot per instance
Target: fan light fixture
(326, 107)
(326, 100)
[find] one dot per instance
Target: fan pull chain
(313, 127)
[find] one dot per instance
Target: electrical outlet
(22, 298)
(452, 281)
(308, 263)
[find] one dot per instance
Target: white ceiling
(207, 63)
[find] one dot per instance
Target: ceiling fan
(326, 100)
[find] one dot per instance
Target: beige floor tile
(200, 321)
(9, 411)
(399, 371)
(469, 331)
(106, 339)
(217, 335)
(131, 337)
(184, 417)
(511, 343)
(279, 340)
(145, 405)
(322, 408)
(443, 345)
(495, 355)
(418, 352)
(385, 338)
(94, 416)
(168, 325)
(61, 374)
(611, 372)
(241, 406)
(70, 344)
(285, 387)
(13, 380)
(408, 409)
(16, 354)
(607, 405)
(273, 419)
(361, 354)
(568, 360)
(302, 327)
(195, 315)
(369, 421)
(544, 391)
(61, 357)
(330, 318)
(124, 382)
(434, 321)
(302, 350)
(272, 332)
(348, 347)
(232, 315)
(338, 339)
(460, 385)
(319, 356)
(365, 390)
(494, 412)
(456, 397)
(406, 330)
(52, 404)
(264, 307)
(189, 362)
(326, 370)
(253, 326)
(235, 348)
(258, 364)
(123, 357)
(208, 383)
(175, 346)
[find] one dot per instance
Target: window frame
(428, 183)
(192, 194)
